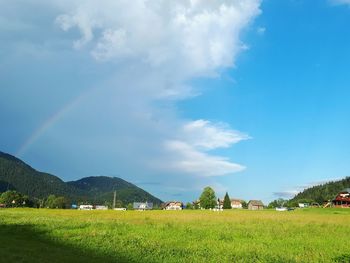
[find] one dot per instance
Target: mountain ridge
(322, 192)
(17, 175)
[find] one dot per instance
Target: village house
(141, 206)
(236, 203)
(86, 207)
(255, 205)
(342, 199)
(173, 205)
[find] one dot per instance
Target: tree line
(12, 198)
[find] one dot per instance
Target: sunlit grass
(313, 235)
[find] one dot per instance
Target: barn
(255, 205)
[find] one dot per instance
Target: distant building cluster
(235, 204)
(341, 200)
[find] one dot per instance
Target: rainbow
(48, 123)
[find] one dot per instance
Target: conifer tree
(227, 202)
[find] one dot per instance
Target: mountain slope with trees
(102, 188)
(17, 175)
(323, 192)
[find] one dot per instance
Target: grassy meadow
(42, 235)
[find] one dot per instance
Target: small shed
(255, 205)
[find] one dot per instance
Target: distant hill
(102, 188)
(17, 175)
(323, 192)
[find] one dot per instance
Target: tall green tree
(61, 202)
(189, 206)
(244, 204)
(207, 199)
(51, 201)
(227, 202)
(13, 199)
(277, 203)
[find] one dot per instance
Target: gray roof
(146, 205)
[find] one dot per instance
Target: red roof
(339, 198)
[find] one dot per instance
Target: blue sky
(249, 97)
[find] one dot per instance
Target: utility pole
(114, 198)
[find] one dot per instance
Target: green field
(40, 235)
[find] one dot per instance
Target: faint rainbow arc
(49, 123)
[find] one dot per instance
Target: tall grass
(313, 235)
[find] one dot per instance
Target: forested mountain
(102, 188)
(321, 193)
(19, 176)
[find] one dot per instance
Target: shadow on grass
(345, 258)
(23, 243)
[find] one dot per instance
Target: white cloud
(205, 135)
(80, 20)
(193, 141)
(112, 44)
(286, 194)
(188, 159)
(340, 2)
(197, 37)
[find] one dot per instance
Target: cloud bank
(174, 42)
(133, 61)
(192, 37)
